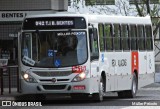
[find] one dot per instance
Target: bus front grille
(53, 74)
(54, 87)
(50, 80)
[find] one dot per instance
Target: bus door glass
(94, 52)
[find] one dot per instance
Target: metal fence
(9, 78)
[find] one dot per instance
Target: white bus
(85, 55)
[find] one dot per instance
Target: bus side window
(133, 37)
(108, 38)
(117, 37)
(94, 51)
(101, 37)
(125, 37)
(149, 45)
(141, 37)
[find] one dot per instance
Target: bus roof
(93, 18)
(119, 19)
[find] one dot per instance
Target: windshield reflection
(54, 49)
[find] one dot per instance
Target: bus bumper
(87, 86)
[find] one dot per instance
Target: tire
(130, 93)
(98, 97)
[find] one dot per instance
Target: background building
(12, 12)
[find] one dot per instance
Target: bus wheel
(99, 96)
(130, 93)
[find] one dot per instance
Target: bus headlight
(25, 76)
(79, 77)
(29, 78)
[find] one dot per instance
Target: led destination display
(54, 23)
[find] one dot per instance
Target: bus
(85, 55)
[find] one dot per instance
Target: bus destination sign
(54, 23)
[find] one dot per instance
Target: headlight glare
(27, 77)
(79, 77)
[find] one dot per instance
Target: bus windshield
(50, 49)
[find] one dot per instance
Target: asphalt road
(147, 98)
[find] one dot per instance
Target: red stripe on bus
(135, 62)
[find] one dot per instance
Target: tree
(152, 9)
(121, 7)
